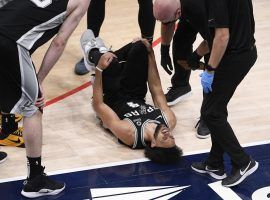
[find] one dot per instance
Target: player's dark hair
(161, 154)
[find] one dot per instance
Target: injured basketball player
(119, 92)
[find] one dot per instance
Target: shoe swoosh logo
(16, 141)
(45, 191)
(211, 170)
(243, 172)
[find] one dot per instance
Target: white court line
(112, 164)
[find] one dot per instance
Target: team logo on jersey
(143, 110)
(132, 104)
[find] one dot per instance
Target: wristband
(209, 68)
(97, 67)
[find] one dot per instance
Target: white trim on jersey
(165, 118)
(29, 38)
(29, 85)
(135, 133)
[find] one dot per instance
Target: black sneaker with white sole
(42, 185)
(3, 156)
(241, 174)
(177, 94)
(203, 131)
(203, 168)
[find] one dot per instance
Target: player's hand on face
(106, 59)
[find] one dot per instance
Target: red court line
(85, 85)
(69, 93)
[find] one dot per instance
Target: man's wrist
(165, 48)
(99, 69)
(210, 68)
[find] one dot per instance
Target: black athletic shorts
(19, 87)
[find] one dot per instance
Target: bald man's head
(166, 10)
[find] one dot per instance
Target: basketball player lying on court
(119, 92)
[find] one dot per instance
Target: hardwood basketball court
(72, 136)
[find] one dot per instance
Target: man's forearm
(167, 32)
(51, 57)
(97, 89)
(219, 46)
(203, 48)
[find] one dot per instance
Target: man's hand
(194, 61)
(166, 62)
(40, 103)
(105, 60)
(147, 45)
(207, 80)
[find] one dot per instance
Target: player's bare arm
(155, 87)
(75, 11)
(120, 128)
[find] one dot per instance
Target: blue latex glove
(206, 81)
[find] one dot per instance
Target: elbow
(95, 106)
(222, 36)
(59, 43)
(225, 38)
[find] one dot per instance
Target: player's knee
(211, 117)
(28, 109)
(139, 47)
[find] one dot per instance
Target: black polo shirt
(195, 14)
(237, 15)
(193, 20)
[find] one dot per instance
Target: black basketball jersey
(139, 114)
(31, 23)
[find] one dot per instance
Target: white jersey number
(42, 3)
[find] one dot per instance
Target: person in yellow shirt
(10, 132)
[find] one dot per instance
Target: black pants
(231, 71)
(126, 77)
(146, 19)
(181, 50)
(183, 39)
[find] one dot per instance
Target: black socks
(34, 167)
(8, 125)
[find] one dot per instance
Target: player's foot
(203, 168)
(241, 174)
(14, 139)
(203, 131)
(41, 185)
(89, 42)
(80, 68)
(177, 94)
(3, 156)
